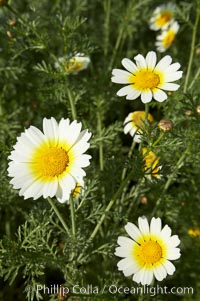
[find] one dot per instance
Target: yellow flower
(147, 78)
(162, 16)
(167, 37)
(134, 122)
(194, 232)
(151, 164)
(148, 252)
(49, 163)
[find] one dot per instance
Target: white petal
(151, 59)
(120, 76)
(146, 96)
(50, 129)
(69, 133)
(129, 65)
(133, 94)
(140, 61)
(164, 63)
(125, 90)
(122, 252)
(50, 188)
(159, 95)
(160, 272)
(170, 77)
(173, 254)
(147, 276)
(125, 242)
(170, 268)
(133, 231)
(166, 232)
(170, 87)
(155, 226)
(173, 68)
(140, 277)
(143, 225)
(35, 135)
(35, 190)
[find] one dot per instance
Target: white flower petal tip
(147, 254)
(147, 77)
(162, 16)
(49, 163)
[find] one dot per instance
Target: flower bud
(165, 125)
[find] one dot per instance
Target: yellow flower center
(151, 162)
(150, 252)
(50, 161)
(145, 79)
(164, 18)
(169, 38)
(73, 66)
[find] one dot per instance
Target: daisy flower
(194, 232)
(75, 64)
(162, 16)
(134, 122)
(146, 78)
(166, 38)
(151, 164)
(148, 252)
(49, 163)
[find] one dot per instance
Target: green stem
(59, 215)
(191, 51)
(170, 179)
(107, 6)
(109, 206)
(72, 104)
(99, 126)
(159, 138)
(146, 111)
(194, 79)
(71, 201)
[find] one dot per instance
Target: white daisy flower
(146, 78)
(166, 38)
(134, 122)
(149, 251)
(74, 64)
(162, 16)
(49, 163)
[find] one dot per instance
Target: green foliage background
(34, 249)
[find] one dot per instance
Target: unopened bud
(9, 34)
(188, 112)
(198, 51)
(198, 109)
(165, 125)
(144, 200)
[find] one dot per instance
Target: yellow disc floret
(164, 18)
(50, 161)
(169, 38)
(150, 252)
(145, 79)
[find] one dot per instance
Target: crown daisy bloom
(162, 16)
(146, 78)
(134, 122)
(166, 38)
(49, 163)
(74, 64)
(148, 252)
(151, 164)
